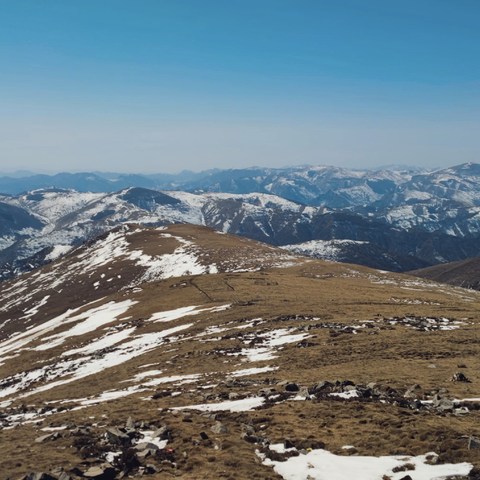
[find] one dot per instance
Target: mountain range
(394, 220)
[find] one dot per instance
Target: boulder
(443, 404)
(101, 472)
(219, 428)
(415, 391)
(291, 387)
(40, 476)
(320, 387)
(115, 436)
(44, 438)
(460, 377)
(473, 443)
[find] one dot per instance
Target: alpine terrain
(184, 352)
(398, 219)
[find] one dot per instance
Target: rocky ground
(278, 368)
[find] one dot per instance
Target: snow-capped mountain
(312, 185)
(70, 218)
(394, 220)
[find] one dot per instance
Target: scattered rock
(44, 438)
(288, 444)
(443, 404)
(115, 436)
(219, 428)
(460, 377)
(415, 391)
(473, 443)
(150, 469)
(130, 424)
(145, 446)
(39, 476)
(102, 472)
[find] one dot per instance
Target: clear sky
(164, 85)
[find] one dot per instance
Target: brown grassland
(323, 296)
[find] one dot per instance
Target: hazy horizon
(393, 167)
(160, 86)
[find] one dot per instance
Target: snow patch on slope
(323, 465)
(326, 249)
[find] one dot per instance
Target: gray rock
(473, 443)
(44, 438)
(60, 474)
(460, 377)
(163, 433)
(219, 428)
(145, 445)
(93, 472)
(320, 386)
(143, 454)
(266, 392)
(116, 436)
(303, 392)
(443, 404)
(65, 476)
(100, 472)
(415, 391)
(40, 476)
(150, 468)
(130, 423)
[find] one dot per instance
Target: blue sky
(163, 85)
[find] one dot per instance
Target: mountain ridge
(396, 220)
(185, 352)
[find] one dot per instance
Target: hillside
(65, 219)
(186, 353)
(464, 274)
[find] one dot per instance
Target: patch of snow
(58, 251)
(242, 405)
(92, 320)
(323, 465)
(345, 395)
(252, 371)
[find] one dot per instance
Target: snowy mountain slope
(331, 186)
(112, 365)
(304, 184)
(120, 257)
(51, 204)
(262, 217)
(409, 220)
(324, 185)
(446, 200)
(352, 251)
(237, 214)
(16, 223)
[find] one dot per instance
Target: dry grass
(393, 355)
